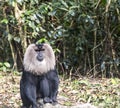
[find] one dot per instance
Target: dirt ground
(82, 93)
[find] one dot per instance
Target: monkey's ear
(37, 50)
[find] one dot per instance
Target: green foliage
(85, 34)
(42, 40)
(5, 21)
(4, 66)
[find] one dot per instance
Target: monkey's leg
(54, 82)
(31, 94)
(25, 100)
(28, 90)
(44, 90)
(28, 95)
(54, 92)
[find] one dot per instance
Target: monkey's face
(40, 52)
(39, 58)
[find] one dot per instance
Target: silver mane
(34, 66)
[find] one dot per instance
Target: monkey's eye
(42, 49)
(38, 50)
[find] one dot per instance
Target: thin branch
(97, 4)
(98, 44)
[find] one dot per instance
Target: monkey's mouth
(39, 58)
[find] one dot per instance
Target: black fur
(39, 77)
(46, 85)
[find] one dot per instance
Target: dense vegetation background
(85, 34)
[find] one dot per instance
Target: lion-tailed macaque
(39, 76)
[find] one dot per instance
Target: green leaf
(36, 1)
(64, 3)
(12, 2)
(32, 24)
(5, 21)
(10, 37)
(1, 64)
(28, 12)
(17, 39)
(57, 50)
(71, 12)
(4, 69)
(7, 64)
(20, 1)
(42, 29)
(64, 9)
(42, 40)
(104, 2)
(114, 81)
(84, 82)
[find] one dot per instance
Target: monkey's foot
(47, 100)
